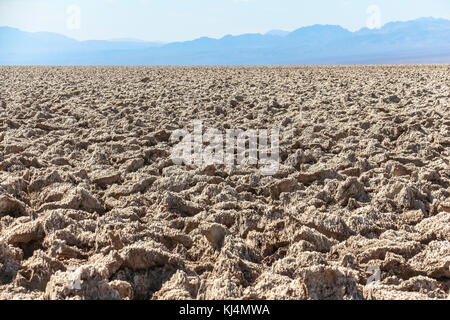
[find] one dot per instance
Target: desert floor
(92, 206)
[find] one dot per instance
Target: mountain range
(425, 40)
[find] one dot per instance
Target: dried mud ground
(92, 207)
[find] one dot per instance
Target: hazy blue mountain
(133, 40)
(125, 40)
(425, 40)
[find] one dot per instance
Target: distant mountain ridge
(425, 40)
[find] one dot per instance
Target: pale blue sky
(174, 20)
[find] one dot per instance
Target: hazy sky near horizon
(177, 20)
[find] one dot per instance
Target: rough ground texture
(92, 207)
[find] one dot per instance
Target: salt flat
(93, 207)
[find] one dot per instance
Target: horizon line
(162, 42)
